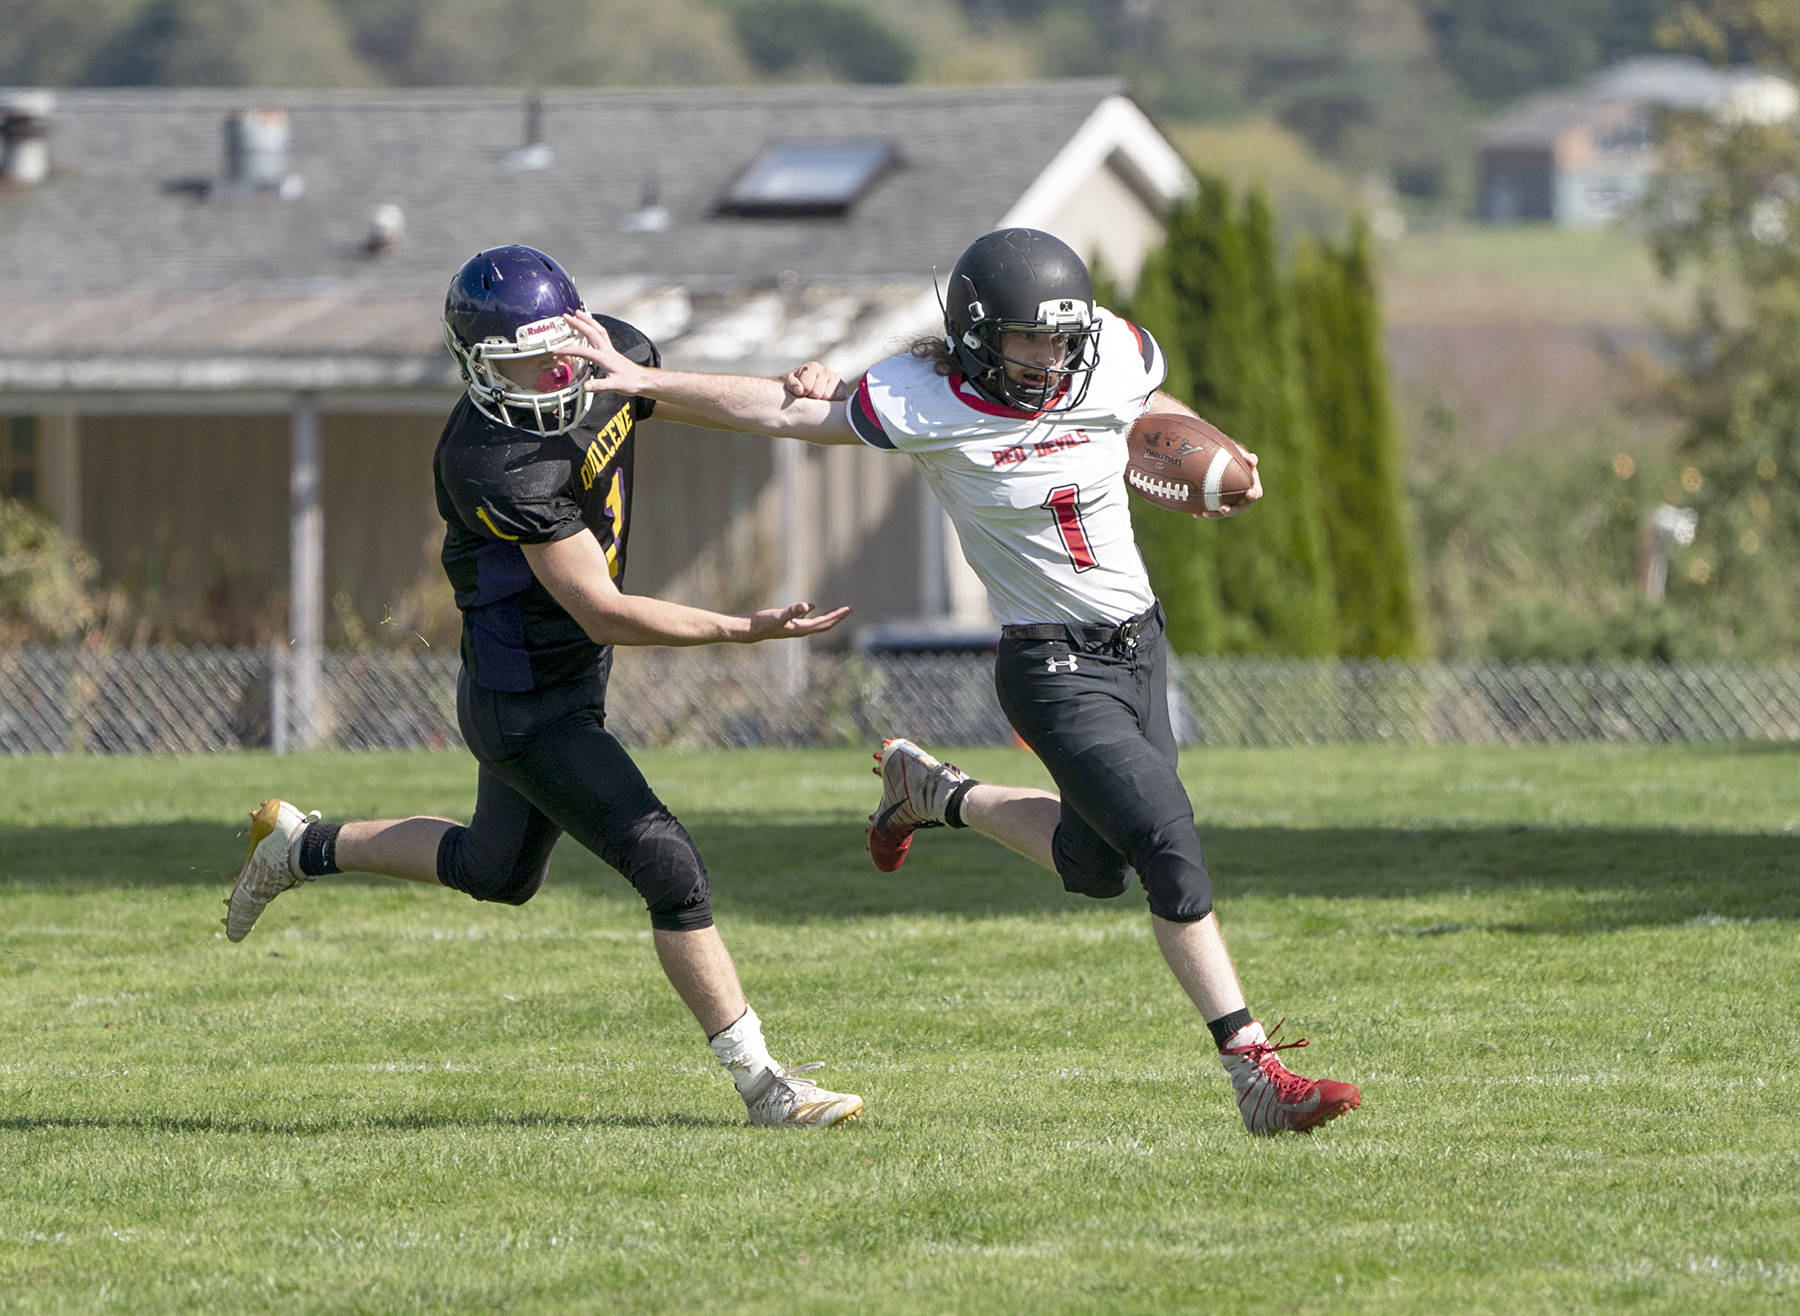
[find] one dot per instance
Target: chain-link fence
(62, 701)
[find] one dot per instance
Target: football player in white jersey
(1017, 417)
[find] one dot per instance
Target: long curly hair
(933, 348)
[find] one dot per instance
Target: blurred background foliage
(1388, 86)
(1522, 396)
(46, 578)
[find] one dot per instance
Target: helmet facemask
(1062, 386)
(505, 400)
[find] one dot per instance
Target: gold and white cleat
(266, 872)
(789, 1102)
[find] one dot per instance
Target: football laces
(1176, 490)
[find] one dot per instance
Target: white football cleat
(267, 871)
(799, 1103)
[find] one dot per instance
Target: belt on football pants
(1090, 635)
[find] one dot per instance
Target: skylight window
(808, 178)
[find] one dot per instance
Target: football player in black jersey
(534, 482)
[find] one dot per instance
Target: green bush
(1533, 553)
(1555, 630)
(45, 579)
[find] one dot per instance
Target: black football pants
(1092, 704)
(549, 766)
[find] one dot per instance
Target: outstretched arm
(735, 402)
(576, 573)
(815, 380)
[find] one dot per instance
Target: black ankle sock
(318, 849)
(953, 808)
(1225, 1025)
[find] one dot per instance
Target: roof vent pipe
(387, 225)
(536, 153)
(25, 137)
(256, 147)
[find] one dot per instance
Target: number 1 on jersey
(615, 513)
(1064, 504)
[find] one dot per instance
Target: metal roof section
(347, 347)
(114, 213)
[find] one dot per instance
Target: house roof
(1665, 81)
(132, 244)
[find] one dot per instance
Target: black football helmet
(509, 302)
(1022, 280)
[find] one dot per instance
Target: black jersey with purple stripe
(499, 488)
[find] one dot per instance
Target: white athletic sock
(740, 1048)
(1249, 1034)
(294, 853)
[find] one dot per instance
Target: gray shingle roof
(106, 222)
(127, 273)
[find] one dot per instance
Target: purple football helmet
(506, 303)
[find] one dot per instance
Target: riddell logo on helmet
(1062, 311)
(539, 328)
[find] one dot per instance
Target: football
(1186, 464)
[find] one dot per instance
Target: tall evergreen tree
(1214, 299)
(1360, 464)
(1281, 567)
(1178, 550)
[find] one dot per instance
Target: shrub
(45, 579)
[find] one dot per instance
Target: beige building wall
(382, 531)
(189, 515)
(1109, 219)
(713, 525)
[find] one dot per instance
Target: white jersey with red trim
(1038, 499)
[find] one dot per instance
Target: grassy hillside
(1527, 274)
(1527, 364)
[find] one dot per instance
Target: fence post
(278, 700)
(306, 566)
(796, 565)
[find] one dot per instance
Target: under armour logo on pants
(1051, 664)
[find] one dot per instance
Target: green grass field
(1566, 979)
(1533, 273)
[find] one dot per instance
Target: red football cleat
(1270, 1097)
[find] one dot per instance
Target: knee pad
(507, 879)
(1173, 867)
(1089, 870)
(660, 859)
